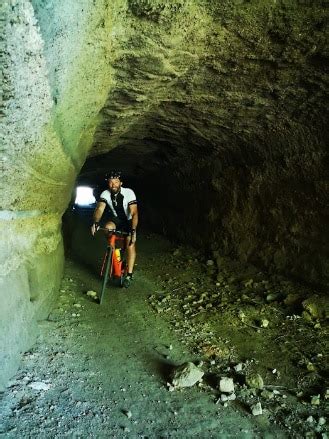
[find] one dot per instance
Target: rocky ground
(269, 334)
(199, 346)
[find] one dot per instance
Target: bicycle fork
(107, 263)
(112, 266)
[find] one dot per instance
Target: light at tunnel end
(84, 196)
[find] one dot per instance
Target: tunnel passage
(217, 113)
(245, 207)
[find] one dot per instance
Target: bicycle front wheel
(108, 265)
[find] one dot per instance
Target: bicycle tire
(124, 269)
(106, 273)
(122, 277)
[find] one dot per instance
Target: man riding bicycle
(122, 205)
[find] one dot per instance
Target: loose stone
(264, 323)
(255, 381)
(256, 409)
(91, 293)
(267, 394)
(315, 400)
(226, 385)
(127, 413)
(39, 385)
(186, 375)
(238, 367)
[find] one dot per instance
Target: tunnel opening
(85, 197)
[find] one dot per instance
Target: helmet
(114, 173)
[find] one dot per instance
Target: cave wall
(46, 130)
(35, 175)
(273, 215)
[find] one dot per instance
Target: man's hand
(132, 237)
(94, 228)
(98, 212)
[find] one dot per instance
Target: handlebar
(113, 231)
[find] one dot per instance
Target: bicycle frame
(113, 266)
(116, 266)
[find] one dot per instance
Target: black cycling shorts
(122, 225)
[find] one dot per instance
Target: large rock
(186, 375)
(317, 307)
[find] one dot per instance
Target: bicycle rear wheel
(123, 269)
(108, 264)
(122, 278)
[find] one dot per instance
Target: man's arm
(134, 216)
(134, 222)
(98, 212)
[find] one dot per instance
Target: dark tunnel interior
(257, 203)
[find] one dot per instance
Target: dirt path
(102, 372)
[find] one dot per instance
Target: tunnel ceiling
(238, 82)
(224, 81)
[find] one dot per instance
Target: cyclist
(122, 205)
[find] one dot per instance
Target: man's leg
(131, 256)
(110, 225)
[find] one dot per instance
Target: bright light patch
(84, 196)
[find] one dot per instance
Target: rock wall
(34, 184)
(46, 130)
(272, 215)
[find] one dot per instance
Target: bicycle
(114, 264)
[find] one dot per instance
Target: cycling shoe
(127, 281)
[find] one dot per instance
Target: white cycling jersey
(120, 202)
